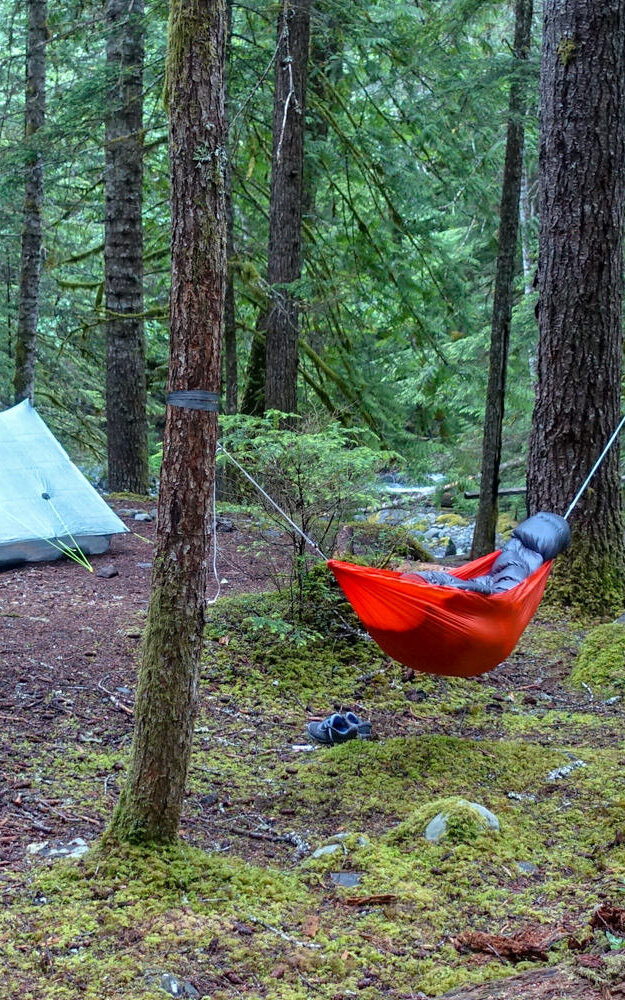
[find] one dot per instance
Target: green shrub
(319, 475)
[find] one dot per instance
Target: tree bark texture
(285, 208)
(151, 803)
(580, 278)
(126, 418)
(230, 324)
(32, 228)
(486, 522)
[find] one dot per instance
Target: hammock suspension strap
(273, 503)
(586, 482)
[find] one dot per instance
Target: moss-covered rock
(601, 661)
(506, 523)
(452, 520)
(454, 819)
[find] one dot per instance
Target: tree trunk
(253, 401)
(285, 209)
(126, 419)
(230, 326)
(580, 278)
(151, 803)
(32, 230)
(525, 218)
(486, 522)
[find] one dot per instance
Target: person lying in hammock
(535, 541)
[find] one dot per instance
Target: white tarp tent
(46, 504)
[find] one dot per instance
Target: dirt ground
(69, 643)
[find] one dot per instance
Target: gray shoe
(334, 729)
(364, 729)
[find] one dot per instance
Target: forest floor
(242, 908)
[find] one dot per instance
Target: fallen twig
(67, 819)
(33, 822)
(116, 702)
(377, 899)
(283, 934)
(284, 838)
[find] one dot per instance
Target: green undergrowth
(99, 927)
(258, 655)
(255, 922)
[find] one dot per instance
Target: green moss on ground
(251, 918)
(600, 664)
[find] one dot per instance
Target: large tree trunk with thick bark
(32, 229)
(126, 419)
(486, 522)
(580, 278)
(151, 803)
(285, 209)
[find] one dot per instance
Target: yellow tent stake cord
(58, 545)
(77, 553)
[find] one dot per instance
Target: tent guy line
(48, 508)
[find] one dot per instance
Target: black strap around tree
(194, 399)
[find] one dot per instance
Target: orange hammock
(441, 630)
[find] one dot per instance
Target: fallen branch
(42, 804)
(116, 702)
(508, 491)
(377, 899)
(283, 934)
(530, 944)
(284, 838)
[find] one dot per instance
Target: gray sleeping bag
(535, 541)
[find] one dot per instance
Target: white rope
(212, 600)
(273, 503)
(593, 470)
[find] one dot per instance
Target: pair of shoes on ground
(339, 728)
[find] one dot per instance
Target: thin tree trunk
(285, 210)
(580, 280)
(126, 419)
(525, 216)
(151, 803)
(32, 230)
(253, 401)
(486, 522)
(230, 326)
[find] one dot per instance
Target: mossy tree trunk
(486, 522)
(285, 206)
(151, 802)
(580, 278)
(126, 419)
(32, 228)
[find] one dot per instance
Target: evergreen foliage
(405, 136)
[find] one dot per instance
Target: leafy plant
(318, 475)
